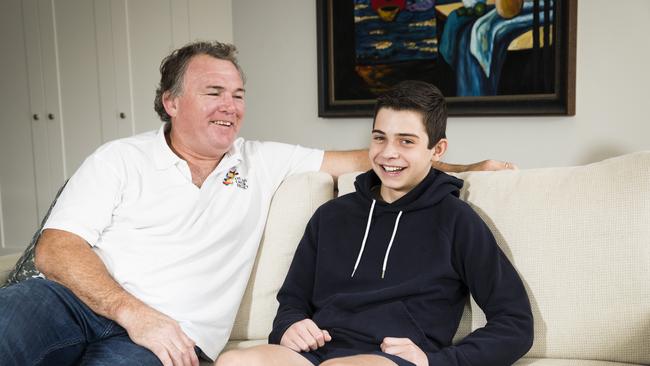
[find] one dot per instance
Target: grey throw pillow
(25, 267)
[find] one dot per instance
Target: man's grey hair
(173, 67)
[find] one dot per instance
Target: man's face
(398, 151)
(207, 115)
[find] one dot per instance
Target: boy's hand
(406, 349)
(305, 336)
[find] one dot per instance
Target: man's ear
(440, 149)
(170, 103)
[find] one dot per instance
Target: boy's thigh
(118, 350)
(360, 360)
(267, 354)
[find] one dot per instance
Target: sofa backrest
(580, 239)
(291, 208)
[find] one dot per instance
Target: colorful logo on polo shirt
(232, 176)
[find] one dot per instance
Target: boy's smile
(399, 151)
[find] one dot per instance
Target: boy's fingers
(327, 336)
(316, 334)
(393, 341)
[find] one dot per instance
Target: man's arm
(337, 163)
(68, 259)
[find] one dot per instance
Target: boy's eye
(378, 138)
(407, 142)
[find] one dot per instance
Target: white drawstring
(390, 245)
(365, 236)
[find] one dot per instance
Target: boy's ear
(439, 150)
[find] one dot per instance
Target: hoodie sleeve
(498, 290)
(296, 291)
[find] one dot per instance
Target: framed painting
(488, 57)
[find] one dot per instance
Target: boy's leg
(268, 354)
(44, 323)
(362, 360)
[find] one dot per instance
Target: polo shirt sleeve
(85, 207)
(282, 160)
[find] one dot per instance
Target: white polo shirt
(185, 251)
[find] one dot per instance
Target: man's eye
(238, 96)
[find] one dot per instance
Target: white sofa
(579, 237)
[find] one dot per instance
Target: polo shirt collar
(164, 157)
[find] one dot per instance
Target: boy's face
(398, 151)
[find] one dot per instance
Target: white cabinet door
(18, 203)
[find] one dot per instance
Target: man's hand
(492, 165)
(406, 349)
(305, 336)
(480, 166)
(160, 334)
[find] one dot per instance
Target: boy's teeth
(392, 168)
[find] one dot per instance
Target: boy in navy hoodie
(381, 275)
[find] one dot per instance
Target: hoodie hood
(431, 190)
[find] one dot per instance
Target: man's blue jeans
(44, 323)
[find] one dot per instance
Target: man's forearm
(66, 258)
(340, 162)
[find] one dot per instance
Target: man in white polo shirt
(147, 215)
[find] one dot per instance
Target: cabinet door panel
(18, 206)
(150, 39)
(79, 78)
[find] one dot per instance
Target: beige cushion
(567, 362)
(580, 239)
(7, 263)
(291, 208)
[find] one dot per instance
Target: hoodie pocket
(372, 323)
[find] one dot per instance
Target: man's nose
(228, 104)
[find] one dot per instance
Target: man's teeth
(391, 169)
(222, 123)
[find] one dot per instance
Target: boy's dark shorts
(327, 353)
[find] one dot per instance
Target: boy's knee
(336, 362)
(232, 358)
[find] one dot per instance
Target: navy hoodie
(409, 277)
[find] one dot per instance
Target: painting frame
(560, 102)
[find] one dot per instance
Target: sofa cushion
(567, 362)
(7, 264)
(580, 239)
(291, 207)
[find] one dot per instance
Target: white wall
(277, 48)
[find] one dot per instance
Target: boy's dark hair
(172, 68)
(422, 97)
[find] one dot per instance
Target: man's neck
(200, 167)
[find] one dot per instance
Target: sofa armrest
(7, 263)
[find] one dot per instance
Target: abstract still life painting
(488, 57)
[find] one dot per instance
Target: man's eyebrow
(221, 88)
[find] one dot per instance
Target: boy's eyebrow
(408, 135)
(403, 134)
